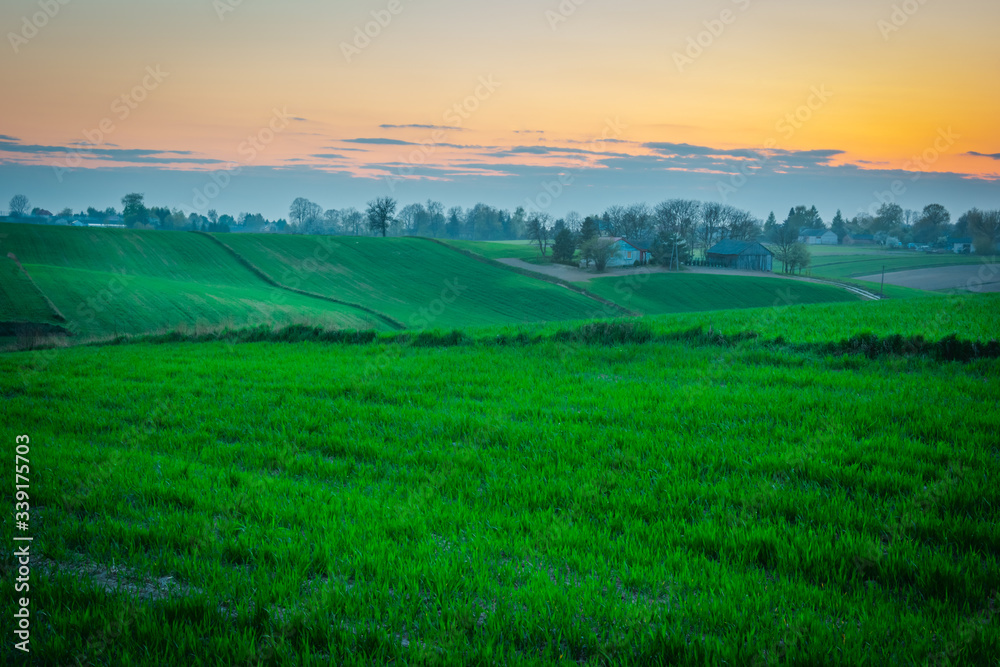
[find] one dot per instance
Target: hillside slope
(419, 283)
(662, 293)
(109, 282)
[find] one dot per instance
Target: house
(818, 237)
(744, 255)
(628, 253)
(961, 246)
(859, 239)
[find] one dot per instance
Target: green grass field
(524, 250)
(20, 299)
(659, 293)
(561, 500)
(419, 283)
(847, 262)
(108, 282)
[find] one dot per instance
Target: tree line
(671, 230)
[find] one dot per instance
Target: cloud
(688, 150)
(328, 156)
(380, 141)
(423, 127)
(551, 150)
(994, 156)
(78, 150)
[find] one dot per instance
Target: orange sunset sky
(762, 103)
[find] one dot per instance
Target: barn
(743, 255)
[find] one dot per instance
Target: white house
(628, 253)
(961, 246)
(818, 237)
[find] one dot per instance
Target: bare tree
(538, 230)
(304, 214)
(786, 237)
(410, 216)
(18, 206)
(600, 251)
(712, 223)
(741, 225)
(352, 219)
(380, 213)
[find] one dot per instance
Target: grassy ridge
(109, 282)
(658, 293)
(105, 304)
(417, 282)
(618, 504)
(20, 298)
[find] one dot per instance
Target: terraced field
(586, 494)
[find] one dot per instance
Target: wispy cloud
(418, 126)
(380, 141)
(994, 156)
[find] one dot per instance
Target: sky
(243, 105)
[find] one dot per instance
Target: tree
(564, 246)
(66, 213)
(538, 230)
(933, 223)
(435, 218)
(741, 225)
(380, 214)
(985, 229)
(589, 229)
(305, 216)
(453, 228)
(409, 218)
(161, 213)
(670, 249)
(134, 209)
(839, 226)
(799, 257)
(574, 221)
(770, 226)
(600, 251)
(786, 236)
(889, 218)
(18, 206)
(712, 223)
